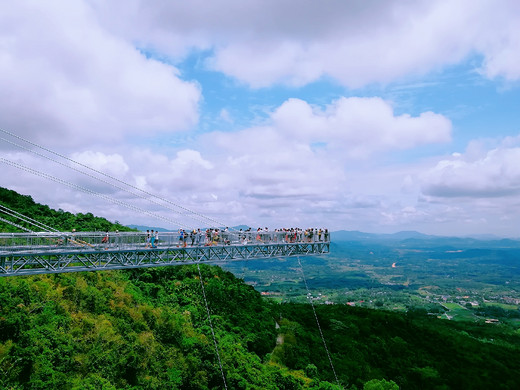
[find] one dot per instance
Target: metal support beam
(31, 262)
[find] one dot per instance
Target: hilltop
(57, 219)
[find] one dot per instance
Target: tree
(380, 384)
(311, 371)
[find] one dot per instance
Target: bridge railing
(80, 241)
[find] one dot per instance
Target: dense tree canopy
(148, 328)
(57, 219)
(138, 329)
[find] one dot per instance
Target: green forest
(149, 329)
(56, 219)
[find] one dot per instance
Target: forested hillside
(149, 329)
(60, 220)
(138, 329)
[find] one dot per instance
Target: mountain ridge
(415, 237)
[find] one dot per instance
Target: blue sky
(377, 116)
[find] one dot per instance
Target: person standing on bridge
(181, 237)
(208, 237)
(105, 240)
(147, 240)
(199, 237)
(156, 239)
(184, 238)
(152, 239)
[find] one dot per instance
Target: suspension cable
(102, 180)
(26, 219)
(113, 178)
(211, 326)
(16, 225)
(77, 187)
(309, 297)
(23, 219)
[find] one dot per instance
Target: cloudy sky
(368, 115)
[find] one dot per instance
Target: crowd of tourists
(216, 236)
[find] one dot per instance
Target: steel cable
(309, 297)
(211, 326)
(110, 177)
(86, 190)
(102, 180)
(16, 225)
(26, 219)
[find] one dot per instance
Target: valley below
(453, 279)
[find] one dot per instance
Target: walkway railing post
(34, 253)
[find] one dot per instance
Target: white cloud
(225, 116)
(110, 164)
(188, 159)
(66, 78)
(172, 177)
(305, 158)
(496, 173)
(498, 39)
(367, 47)
(100, 78)
(360, 126)
(358, 43)
(347, 128)
(404, 216)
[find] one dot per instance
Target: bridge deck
(28, 254)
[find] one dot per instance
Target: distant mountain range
(416, 239)
(354, 235)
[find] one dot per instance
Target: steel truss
(45, 262)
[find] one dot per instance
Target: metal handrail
(79, 241)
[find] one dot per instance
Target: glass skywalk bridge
(37, 253)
